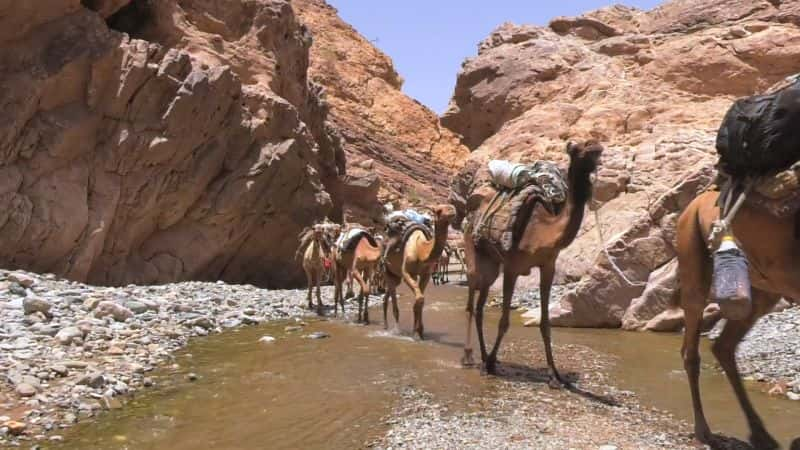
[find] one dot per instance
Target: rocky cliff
(151, 141)
(396, 149)
(653, 87)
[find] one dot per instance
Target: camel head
(444, 214)
(586, 156)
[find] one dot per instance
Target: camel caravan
(738, 242)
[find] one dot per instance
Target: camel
(413, 263)
(442, 267)
(358, 262)
(543, 237)
(313, 263)
(774, 255)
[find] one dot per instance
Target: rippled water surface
(338, 392)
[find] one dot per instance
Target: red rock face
(189, 148)
(652, 87)
(383, 131)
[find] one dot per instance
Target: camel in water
(413, 263)
(773, 251)
(314, 255)
(358, 260)
(543, 237)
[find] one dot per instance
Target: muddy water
(338, 392)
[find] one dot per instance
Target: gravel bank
(771, 352)
(517, 410)
(70, 350)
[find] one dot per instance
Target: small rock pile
(70, 350)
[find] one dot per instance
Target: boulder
(660, 295)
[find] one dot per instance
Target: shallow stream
(338, 392)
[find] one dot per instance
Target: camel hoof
(467, 361)
(703, 435)
(763, 441)
(488, 368)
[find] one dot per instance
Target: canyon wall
(146, 142)
(652, 87)
(396, 149)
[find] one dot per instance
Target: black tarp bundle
(761, 134)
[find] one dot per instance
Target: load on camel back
(738, 244)
(509, 185)
(759, 165)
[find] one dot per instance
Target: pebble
(793, 396)
(267, 339)
(191, 377)
(69, 335)
(318, 335)
(15, 427)
(32, 305)
(26, 390)
(21, 279)
(113, 310)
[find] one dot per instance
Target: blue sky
(429, 39)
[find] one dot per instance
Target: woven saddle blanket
(500, 221)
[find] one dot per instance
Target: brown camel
(357, 262)
(314, 263)
(413, 263)
(543, 237)
(774, 255)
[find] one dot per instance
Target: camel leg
(483, 294)
(316, 276)
(419, 301)
(340, 275)
(691, 363)
(724, 350)
(546, 275)
(336, 292)
(509, 282)
(310, 282)
(391, 292)
(318, 279)
(424, 279)
(467, 359)
(386, 310)
(395, 309)
(695, 283)
(361, 297)
(350, 293)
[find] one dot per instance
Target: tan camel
(314, 263)
(358, 262)
(413, 263)
(540, 242)
(774, 255)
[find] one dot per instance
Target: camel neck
(580, 192)
(439, 240)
